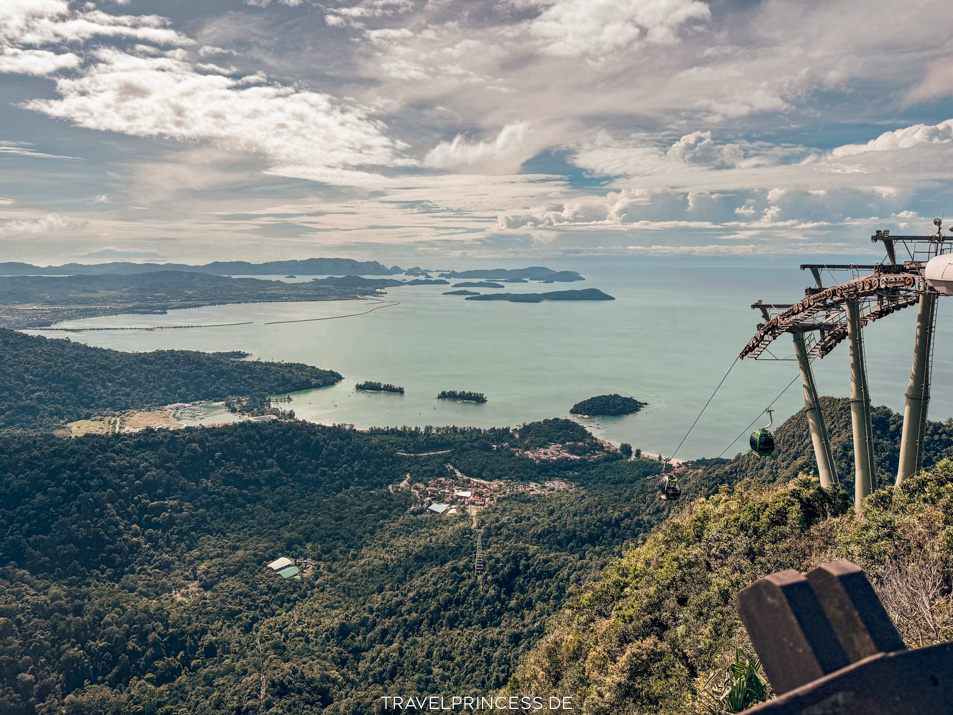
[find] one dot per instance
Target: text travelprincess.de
(396, 703)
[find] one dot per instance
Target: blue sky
(418, 130)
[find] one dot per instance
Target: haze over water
(672, 332)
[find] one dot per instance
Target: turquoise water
(668, 338)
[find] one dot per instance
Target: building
(438, 508)
(285, 568)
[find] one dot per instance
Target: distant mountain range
(308, 266)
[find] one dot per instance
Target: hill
(656, 632)
(47, 382)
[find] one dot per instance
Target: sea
(672, 334)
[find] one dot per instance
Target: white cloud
(698, 148)
(505, 152)
(24, 149)
(905, 138)
(166, 97)
(13, 60)
(48, 224)
(43, 22)
(571, 28)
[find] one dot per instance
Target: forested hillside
(47, 382)
(794, 452)
(658, 630)
(135, 576)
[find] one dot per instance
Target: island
(606, 406)
(585, 294)
(462, 396)
(535, 273)
(39, 301)
(461, 292)
(427, 282)
(291, 275)
(478, 284)
(308, 267)
(373, 386)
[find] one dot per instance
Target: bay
(674, 330)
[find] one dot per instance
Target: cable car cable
(733, 363)
(756, 419)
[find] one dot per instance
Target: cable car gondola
(670, 489)
(762, 441)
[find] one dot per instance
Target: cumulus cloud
(44, 22)
(905, 138)
(48, 224)
(571, 28)
(698, 148)
(14, 60)
(506, 152)
(167, 97)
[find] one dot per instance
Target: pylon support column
(918, 391)
(864, 476)
(815, 418)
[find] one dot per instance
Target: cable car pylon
(830, 314)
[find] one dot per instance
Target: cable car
(670, 489)
(762, 441)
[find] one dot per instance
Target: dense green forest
(47, 382)
(584, 294)
(655, 634)
(134, 577)
(308, 266)
(464, 395)
(607, 405)
(30, 301)
(374, 386)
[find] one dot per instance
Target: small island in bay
(535, 273)
(427, 282)
(607, 406)
(372, 386)
(461, 292)
(462, 396)
(478, 284)
(585, 294)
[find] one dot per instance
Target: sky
(422, 130)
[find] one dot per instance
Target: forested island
(462, 395)
(372, 386)
(45, 383)
(607, 405)
(535, 273)
(308, 267)
(461, 292)
(27, 301)
(478, 284)
(585, 294)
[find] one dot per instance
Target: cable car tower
(828, 314)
